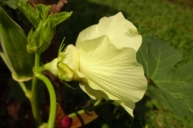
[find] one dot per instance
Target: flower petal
(128, 109)
(120, 31)
(111, 70)
(88, 33)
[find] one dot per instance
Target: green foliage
(159, 115)
(10, 3)
(158, 60)
(33, 15)
(45, 24)
(40, 39)
(40, 13)
(157, 57)
(43, 11)
(58, 18)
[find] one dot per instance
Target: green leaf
(57, 18)
(157, 57)
(44, 10)
(158, 60)
(10, 4)
(33, 15)
(177, 88)
(163, 114)
(163, 59)
(143, 55)
(40, 13)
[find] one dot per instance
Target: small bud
(40, 39)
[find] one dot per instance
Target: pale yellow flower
(104, 62)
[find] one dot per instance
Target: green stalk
(34, 99)
(25, 90)
(50, 88)
(51, 91)
(90, 108)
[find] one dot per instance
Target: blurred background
(168, 20)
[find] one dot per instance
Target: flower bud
(40, 39)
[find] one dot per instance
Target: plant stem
(37, 61)
(25, 90)
(89, 109)
(51, 91)
(34, 99)
(34, 103)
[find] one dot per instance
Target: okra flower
(104, 62)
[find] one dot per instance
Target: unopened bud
(40, 39)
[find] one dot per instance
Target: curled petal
(120, 31)
(111, 70)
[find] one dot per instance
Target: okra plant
(110, 60)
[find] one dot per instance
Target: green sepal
(14, 53)
(43, 11)
(58, 18)
(30, 38)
